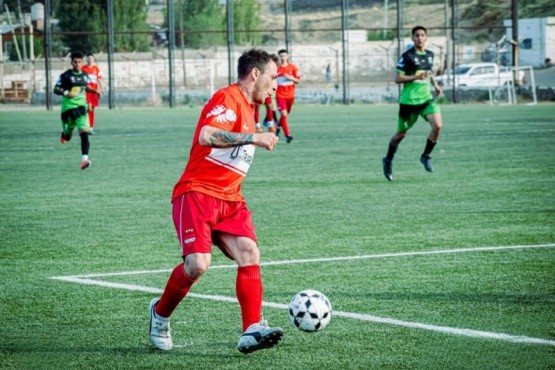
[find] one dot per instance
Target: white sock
(84, 157)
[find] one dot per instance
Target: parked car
(480, 75)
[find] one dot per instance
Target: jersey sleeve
(221, 112)
(403, 64)
(63, 82)
(297, 73)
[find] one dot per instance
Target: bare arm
(292, 78)
(437, 88)
(91, 90)
(218, 138)
(401, 78)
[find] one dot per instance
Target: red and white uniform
(94, 75)
(219, 172)
(286, 88)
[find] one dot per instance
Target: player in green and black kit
(72, 84)
(414, 70)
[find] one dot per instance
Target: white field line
(85, 279)
(331, 259)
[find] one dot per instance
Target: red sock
(283, 124)
(91, 118)
(256, 115)
(269, 114)
(177, 287)
(249, 293)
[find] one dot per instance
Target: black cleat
(387, 169)
(288, 139)
(278, 130)
(426, 160)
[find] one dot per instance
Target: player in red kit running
(288, 77)
(208, 207)
(95, 82)
(269, 120)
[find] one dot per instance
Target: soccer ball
(310, 311)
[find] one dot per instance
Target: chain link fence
(346, 49)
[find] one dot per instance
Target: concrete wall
(369, 63)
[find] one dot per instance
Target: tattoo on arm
(226, 139)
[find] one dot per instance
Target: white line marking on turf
(334, 259)
(84, 279)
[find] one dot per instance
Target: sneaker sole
(268, 341)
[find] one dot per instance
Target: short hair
(90, 54)
(76, 54)
(419, 28)
(283, 51)
(253, 58)
(275, 58)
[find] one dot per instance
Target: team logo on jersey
(216, 111)
(222, 114)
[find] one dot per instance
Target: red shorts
(92, 99)
(200, 218)
(285, 104)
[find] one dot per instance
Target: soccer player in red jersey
(269, 120)
(208, 207)
(288, 77)
(95, 82)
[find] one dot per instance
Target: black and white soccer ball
(310, 311)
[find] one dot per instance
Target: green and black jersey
(75, 83)
(413, 63)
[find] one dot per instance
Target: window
(526, 44)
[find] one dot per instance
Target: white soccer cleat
(86, 163)
(259, 336)
(160, 335)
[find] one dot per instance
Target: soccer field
(447, 270)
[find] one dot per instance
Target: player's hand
(439, 92)
(422, 76)
(266, 140)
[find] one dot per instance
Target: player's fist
(266, 140)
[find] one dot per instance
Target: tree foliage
(246, 19)
(205, 24)
(83, 25)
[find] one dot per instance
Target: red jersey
(286, 87)
(219, 172)
(94, 75)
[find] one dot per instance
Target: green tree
(203, 23)
(246, 19)
(84, 25)
(81, 24)
(37, 46)
(132, 31)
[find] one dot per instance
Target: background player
(269, 120)
(288, 77)
(414, 71)
(208, 207)
(95, 82)
(72, 85)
